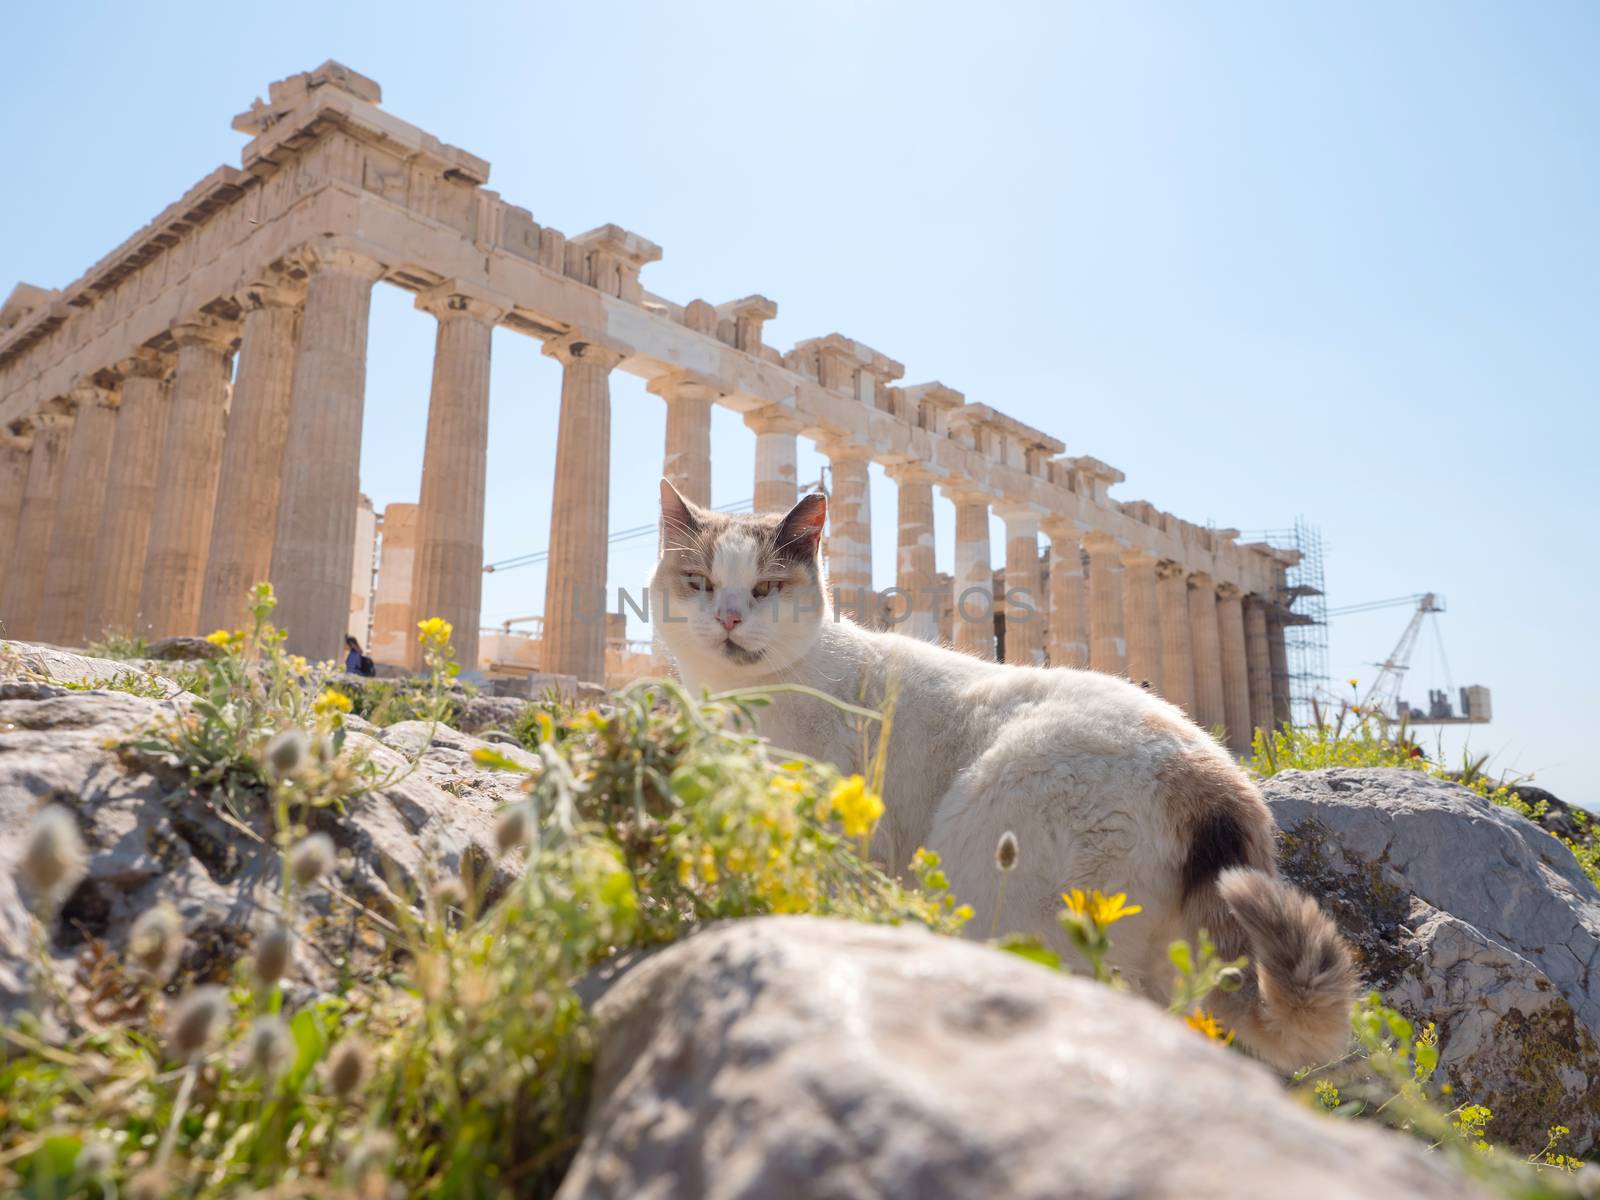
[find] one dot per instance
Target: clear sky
(1339, 261)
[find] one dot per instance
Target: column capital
(773, 419)
(910, 472)
(1200, 581)
(1136, 557)
(1229, 591)
(18, 439)
(839, 448)
(89, 393)
(145, 363)
(276, 290)
(337, 255)
(683, 385)
(1168, 569)
(206, 331)
(1014, 514)
(455, 298)
(963, 495)
(1057, 528)
(581, 349)
(1099, 542)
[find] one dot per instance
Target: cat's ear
(680, 520)
(801, 529)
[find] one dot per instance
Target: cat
(1104, 784)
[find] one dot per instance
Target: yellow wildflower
(858, 808)
(331, 702)
(1353, 683)
(685, 872)
(963, 913)
(708, 865)
(1102, 910)
(219, 637)
(298, 664)
(435, 631)
(1206, 1025)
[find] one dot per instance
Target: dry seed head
(149, 1184)
(449, 893)
(511, 830)
(54, 860)
(269, 1047)
(196, 1022)
(273, 949)
(286, 753)
(1005, 851)
(155, 944)
(348, 1067)
(311, 859)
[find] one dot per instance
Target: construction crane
(1384, 694)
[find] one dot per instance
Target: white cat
(1105, 785)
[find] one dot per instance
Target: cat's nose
(729, 619)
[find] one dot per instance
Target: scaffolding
(1303, 607)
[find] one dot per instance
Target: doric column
(850, 530)
(1210, 710)
(123, 540)
(1024, 603)
(575, 586)
(1141, 618)
(1278, 656)
(914, 552)
(246, 517)
(394, 627)
(1177, 653)
(973, 583)
(1069, 616)
(23, 586)
(14, 449)
(775, 430)
(186, 496)
(1235, 667)
(447, 573)
(63, 614)
(314, 544)
(687, 461)
(1260, 658)
(1108, 646)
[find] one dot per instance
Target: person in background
(355, 661)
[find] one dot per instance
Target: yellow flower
(1102, 910)
(1205, 1024)
(298, 664)
(963, 913)
(685, 872)
(858, 808)
(331, 702)
(435, 631)
(219, 637)
(1353, 682)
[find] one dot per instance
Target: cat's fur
(1105, 785)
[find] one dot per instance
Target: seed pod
(155, 944)
(511, 830)
(196, 1022)
(1005, 851)
(348, 1067)
(269, 1048)
(54, 860)
(286, 753)
(311, 859)
(273, 950)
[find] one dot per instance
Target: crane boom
(1384, 694)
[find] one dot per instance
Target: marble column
(240, 555)
(1142, 618)
(973, 582)
(191, 468)
(394, 625)
(24, 582)
(1024, 599)
(1235, 667)
(1278, 656)
(64, 611)
(1210, 709)
(447, 572)
(123, 540)
(314, 543)
(686, 465)
(1177, 652)
(14, 449)
(775, 430)
(1259, 655)
(575, 587)
(914, 609)
(850, 531)
(1108, 645)
(1069, 616)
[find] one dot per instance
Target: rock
(802, 1057)
(1467, 915)
(182, 649)
(23, 660)
(491, 712)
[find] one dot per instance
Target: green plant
(117, 644)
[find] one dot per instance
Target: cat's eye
(697, 583)
(766, 587)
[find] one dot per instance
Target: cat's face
(738, 594)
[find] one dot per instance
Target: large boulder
(1467, 915)
(796, 1056)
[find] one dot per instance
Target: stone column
(246, 516)
(64, 612)
(314, 543)
(1024, 600)
(1177, 653)
(1069, 624)
(1235, 667)
(14, 449)
(1278, 656)
(447, 573)
(687, 461)
(1108, 646)
(973, 583)
(1260, 658)
(850, 531)
(775, 430)
(123, 540)
(1142, 618)
(394, 627)
(1210, 709)
(915, 566)
(24, 582)
(575, 587)
(186, 497)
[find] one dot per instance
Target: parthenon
(147, 480)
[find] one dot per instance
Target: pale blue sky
(1268, 259)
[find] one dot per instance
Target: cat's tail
(1294, 1008)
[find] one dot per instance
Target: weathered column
(1210, 710)
(776, 488)
(973, 583)
(14, 449)
(687, 461)
(394, 625)
(1278, 656)
(1108, 646)
(63, 614)
(1260, 658)
(1235, 667)
(246, 518)
(1069, 623)
(186, 496)
(314, 544)
(914, 552)
(1177, 653)
(1024, 599)
(123, 540)
(1142, 618)
(447, 573)
(575, 587)
(850, 531)
(24, 582)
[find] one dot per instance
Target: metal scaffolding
(1304, 605)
